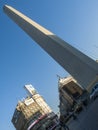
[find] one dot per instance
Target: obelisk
(80, 66)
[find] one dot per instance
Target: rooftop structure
(30, 90)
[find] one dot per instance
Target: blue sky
(22, 61)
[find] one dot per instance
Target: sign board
(28, 101)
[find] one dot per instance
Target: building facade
(33, 113)
(69, 93)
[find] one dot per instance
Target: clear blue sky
(22, 61)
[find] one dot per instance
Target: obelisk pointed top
(80, 66)
(9, 8)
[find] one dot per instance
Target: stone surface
(87, 119)
(80, 66)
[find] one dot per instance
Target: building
(70, 93)
(33, 112)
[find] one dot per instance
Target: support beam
(80, 66)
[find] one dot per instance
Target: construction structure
(33, 113)
(80, 66)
